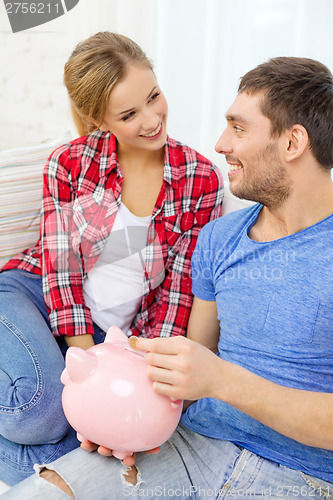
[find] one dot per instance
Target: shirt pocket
(176, 226)
(291, 318)
(323, 329)
(180, 223)
(87, 219)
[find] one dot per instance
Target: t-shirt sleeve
(202, 265)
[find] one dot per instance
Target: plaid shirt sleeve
(171, 302)
(61, 262)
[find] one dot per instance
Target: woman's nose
(150, 121)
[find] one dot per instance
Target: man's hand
(106, 452)
(179, 367)
(183, 369)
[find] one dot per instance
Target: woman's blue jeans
(33, 427)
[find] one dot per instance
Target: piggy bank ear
(116, 336)
(79, 363)
(64, 377)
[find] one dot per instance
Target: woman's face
(137, 111)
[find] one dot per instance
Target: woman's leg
(33, 427)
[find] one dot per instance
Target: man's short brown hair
(296, 91)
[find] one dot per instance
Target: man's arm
(304, 416)
(184, 369)
(203, 325)
(204, 328)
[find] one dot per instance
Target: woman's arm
(84, 341)
(61, 264)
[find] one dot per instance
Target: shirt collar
(171, 163)
(109, 161)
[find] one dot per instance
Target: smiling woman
(137, 115)
(122, 209)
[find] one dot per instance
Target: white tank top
(113, 289)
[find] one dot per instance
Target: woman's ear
(297, 142)
(94, 122)
(103, 127)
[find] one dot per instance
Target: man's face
(257, 171)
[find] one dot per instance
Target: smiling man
(261, 175)
(262, 421)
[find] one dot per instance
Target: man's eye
(126, 117)
(238, 129)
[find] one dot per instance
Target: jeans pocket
(27, 274)
(318, 486)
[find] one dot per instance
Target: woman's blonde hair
(94, 68)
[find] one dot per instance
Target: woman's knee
(30, 394)
(30, 367)
(30, 416)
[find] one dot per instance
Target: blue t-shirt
(275, 307)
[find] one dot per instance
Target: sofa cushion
(21, 178)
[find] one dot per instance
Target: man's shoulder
(232, 223)
(224, 232)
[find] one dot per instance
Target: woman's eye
(126, 117)
(154, 96)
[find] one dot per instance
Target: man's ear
(297, 141)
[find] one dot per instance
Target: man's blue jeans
(189, 466)
(33, 427)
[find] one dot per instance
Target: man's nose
(223, 145)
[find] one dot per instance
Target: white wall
(212, 43)
(200, 49)
(33, 100)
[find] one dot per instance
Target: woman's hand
(106, 452)
(84, 341)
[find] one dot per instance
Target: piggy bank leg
(80, 437)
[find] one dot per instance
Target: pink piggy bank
(109, 400)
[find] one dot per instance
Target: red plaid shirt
(81, 197)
